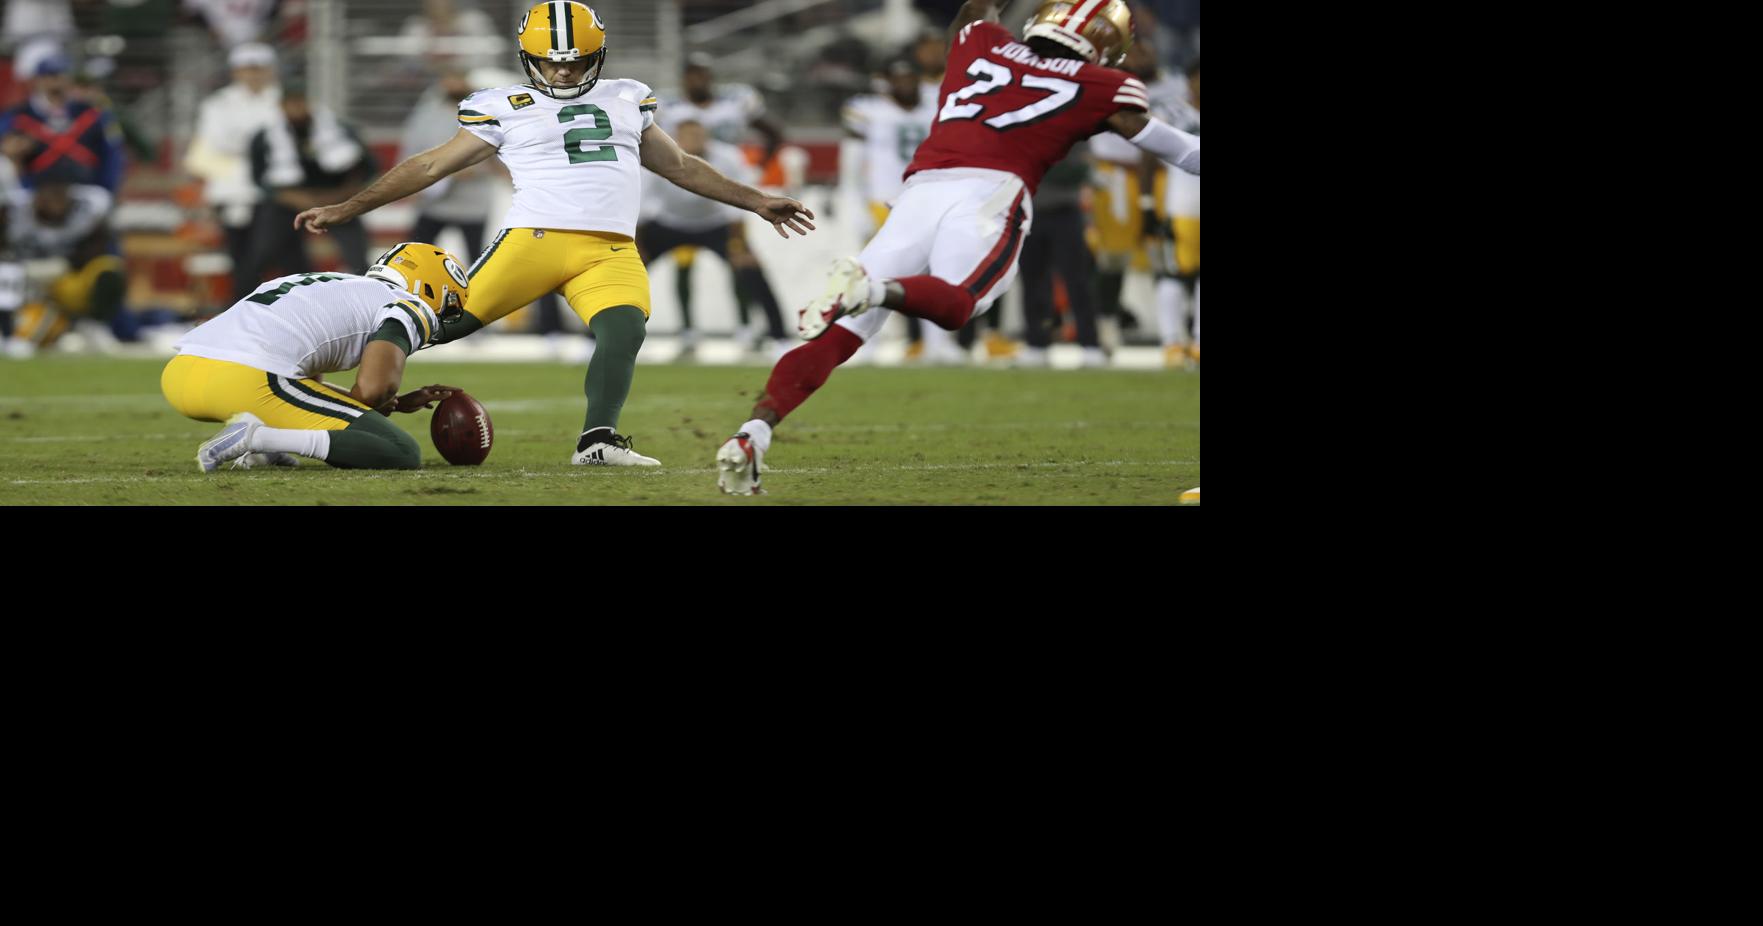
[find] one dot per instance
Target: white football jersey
(731, 109)
(309, 323)
(576, 163)
(1169, 102)
(34, 238)
(687, 211)
(890, 137)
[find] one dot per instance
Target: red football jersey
(1007, 108)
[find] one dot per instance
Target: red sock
(806, 368)
(937, 301)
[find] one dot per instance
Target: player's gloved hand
(418, 399)
(783, 212)
(319, 218)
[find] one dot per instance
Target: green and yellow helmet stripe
(557, 27)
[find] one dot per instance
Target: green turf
(97, 432)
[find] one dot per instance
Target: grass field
(83, 431)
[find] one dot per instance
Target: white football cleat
(1191, 496)
(738, 466)
(233, 442)
(266, 460)
(613, 450)
(846, 295)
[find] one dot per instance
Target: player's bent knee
(625, 323)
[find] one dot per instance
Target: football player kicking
(259, 365)
(574, 144)
(948, 249)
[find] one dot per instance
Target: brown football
(461, 430)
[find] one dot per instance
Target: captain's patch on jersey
(520, 99)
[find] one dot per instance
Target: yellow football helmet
(427, 272)
(1099, 30)
(562, 30)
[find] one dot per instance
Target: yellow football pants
(215, 390)
(593, 270)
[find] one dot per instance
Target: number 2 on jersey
(994, 77)
(601, 130)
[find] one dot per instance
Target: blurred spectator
(88, 90)
(28, 20)
(462, 200)
(931, 51)
(235, 22)
(62, 224)
(307, 157)
(448, 19)
(684, 219)
(219, 153)
(53, 128)
(728, 112)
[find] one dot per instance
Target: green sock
(374, 442)
(620, 332)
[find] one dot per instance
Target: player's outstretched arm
(662, 155)
(972, 11)
(1158, 137)
(415, 173)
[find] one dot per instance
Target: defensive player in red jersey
(948, 250)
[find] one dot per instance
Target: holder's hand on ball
(419, 399)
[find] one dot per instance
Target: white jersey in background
(890, 135)
(687, 211)
(309, 323)
(546, 142)
(732, 108)
(31, 237)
